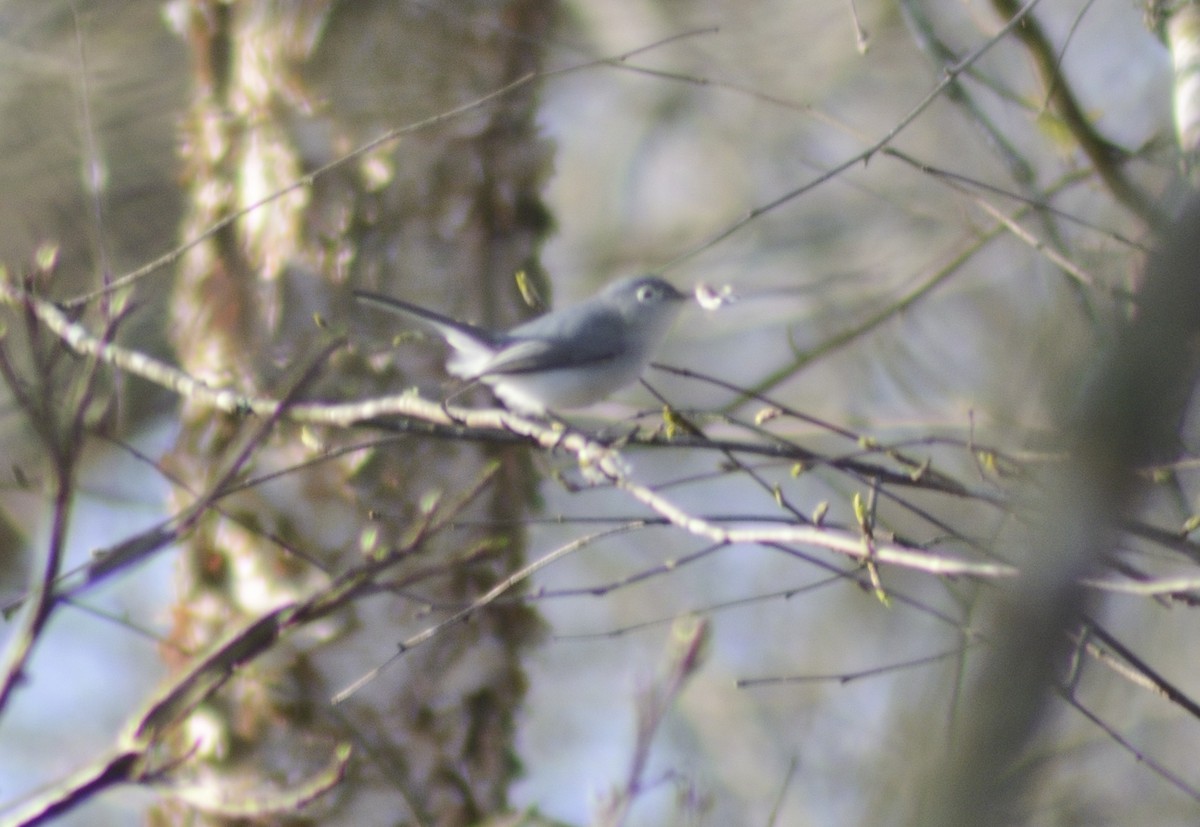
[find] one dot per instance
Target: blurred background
(920, 274)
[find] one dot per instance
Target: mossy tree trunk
(445, 216)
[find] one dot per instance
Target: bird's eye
(645, 293)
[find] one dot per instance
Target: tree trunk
(445, 216)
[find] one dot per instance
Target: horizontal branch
(599, 462)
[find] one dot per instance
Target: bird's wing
(535, 346)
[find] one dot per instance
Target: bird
(565, 359)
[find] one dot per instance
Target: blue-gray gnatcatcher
(568, 358)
